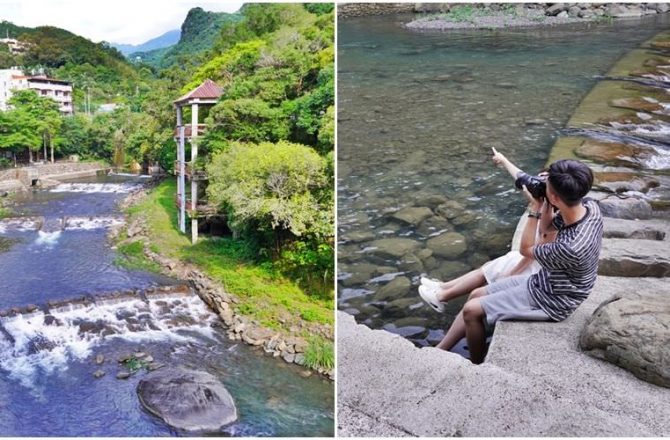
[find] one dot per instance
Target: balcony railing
(188, 130)
(189, 171)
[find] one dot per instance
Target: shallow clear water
(63, 265)
(418, 113)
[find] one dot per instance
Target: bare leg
(474, 330)
(451, 283)
(455, 333)
(457, 330)
(464, 285)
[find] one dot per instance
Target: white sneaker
(429, 295)
(430, 283)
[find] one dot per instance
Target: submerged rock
(188, 400)
(395, 289)
(413, 215)
(631, 331)
(449, 245)
(394, 247)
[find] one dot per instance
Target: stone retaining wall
(15, 177)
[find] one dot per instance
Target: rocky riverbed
(446, 16)
(288, 347)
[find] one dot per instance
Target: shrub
(319, 353)
(272, 188)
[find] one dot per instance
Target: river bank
(280, 319)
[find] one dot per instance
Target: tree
(271, 188)
(18, 130)
(41, 116)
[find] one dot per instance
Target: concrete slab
(535, 382)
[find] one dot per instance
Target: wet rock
(431, 200)
(627, 208)
(123, 375)
(464, 219)
(448, 245)
(148, 359)
(410, 263)
(289, 357)
(406, 332)
(299, 359)
(99, 359)
(51, 320)
(155, 366)
(358, 236)
(394, 247)
(613, 153)
(400, 307)
(537, 121)
(555, 9)
(450, 209)
(432, 225)
(98, 374)
(188, 400)
(631, 331)
(637, 104)
(413, 215)
(395, 289)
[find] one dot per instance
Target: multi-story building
(58, 90)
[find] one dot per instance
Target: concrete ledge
(535, 382)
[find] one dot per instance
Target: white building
(58, 90)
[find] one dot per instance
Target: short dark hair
(571, 180)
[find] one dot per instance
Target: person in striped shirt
(569, 264)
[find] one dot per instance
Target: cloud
(118, 21)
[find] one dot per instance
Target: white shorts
(501, 267)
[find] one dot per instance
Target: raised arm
(500, 159)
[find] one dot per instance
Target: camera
(537, 187)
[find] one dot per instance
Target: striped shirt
(569, 264)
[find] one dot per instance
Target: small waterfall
(91, 188)
(46, 340)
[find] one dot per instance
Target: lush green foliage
(33, 122)
(131, 256)
(320, 353)
(270, 186)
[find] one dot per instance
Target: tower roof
(208, 90)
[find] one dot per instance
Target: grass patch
(265, 294)
(320, 353)
(5, 212)
(131, 256)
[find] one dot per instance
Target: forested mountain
(163, 41)
(198, 33)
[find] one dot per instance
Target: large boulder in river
(449, 245)
(632, 332)
(187, 400)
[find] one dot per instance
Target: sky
(116, 21)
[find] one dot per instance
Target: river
(417, 115)
(63, 302)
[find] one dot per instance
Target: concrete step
(646, 230)
(634, 258)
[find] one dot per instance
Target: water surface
(418, 113)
